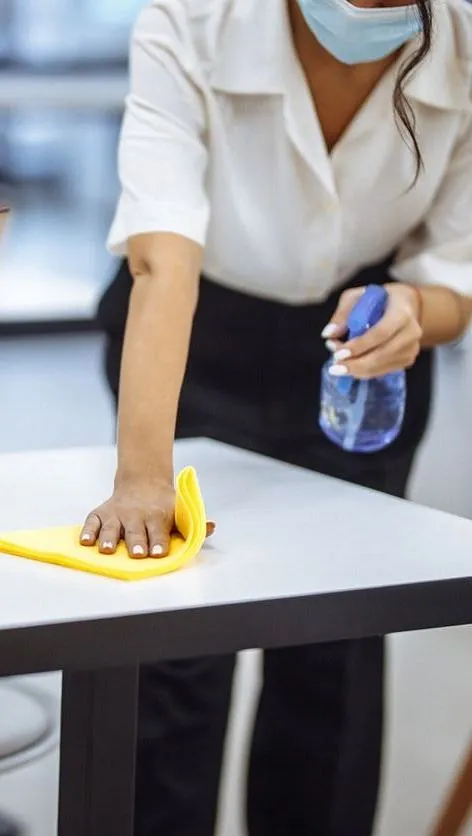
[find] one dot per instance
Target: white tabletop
(283, 533)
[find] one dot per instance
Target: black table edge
(179, 634)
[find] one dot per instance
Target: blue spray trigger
(366, 313)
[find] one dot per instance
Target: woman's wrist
(152, 471)
(442, 313)
(418, 302)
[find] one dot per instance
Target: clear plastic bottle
(363, 416)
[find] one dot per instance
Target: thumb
(338, 323)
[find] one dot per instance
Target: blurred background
(62, 82)
(63, 77)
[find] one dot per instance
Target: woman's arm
(437, 258)
(431, 301)
(160, 224)
(166, 271)
(443, 313)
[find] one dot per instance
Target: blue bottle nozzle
(368, 311)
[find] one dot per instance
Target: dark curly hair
(403, 110)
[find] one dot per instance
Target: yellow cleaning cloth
(61, 546)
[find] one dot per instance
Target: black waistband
(113, 306)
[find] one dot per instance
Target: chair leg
(459, 803)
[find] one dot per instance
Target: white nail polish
(342, 354)
(331, 346)
(338, 371)
(107, 545)
(157, 551)
(329, 331)
(86, 538)
(138, 550)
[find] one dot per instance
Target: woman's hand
(140, 513)
(393, 344)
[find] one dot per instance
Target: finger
(338, 322)
(210, 529)
(136, 539)
(394, 322)
(392, 356)
(159, 531)
(110, 536)
(91, 530)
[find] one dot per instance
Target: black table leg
(98, 749)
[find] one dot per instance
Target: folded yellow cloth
(61, 546)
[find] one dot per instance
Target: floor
(52, 395)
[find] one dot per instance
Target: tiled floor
(52, 395)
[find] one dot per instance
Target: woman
(289, 152)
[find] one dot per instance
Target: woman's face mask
(356, 35)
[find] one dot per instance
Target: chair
(458, 807)
(28, 730)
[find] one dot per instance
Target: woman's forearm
(155, 354)
(445, 315)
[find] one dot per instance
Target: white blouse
(221, 143)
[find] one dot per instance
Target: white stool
(29, 728)
(28, 725)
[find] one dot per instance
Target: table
(297, 558)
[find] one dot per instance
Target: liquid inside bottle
(363, 416)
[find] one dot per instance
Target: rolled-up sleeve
(440, 252)
(162, 152)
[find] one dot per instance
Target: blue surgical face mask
(358, 35)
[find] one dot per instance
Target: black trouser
(253, 381)
(7, 828)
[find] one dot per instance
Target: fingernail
(342, 354)
(157, 551)
(107, 545)
(138, 550)
(338, 371)
(329, 331)
(86, 538)
(331, 346)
